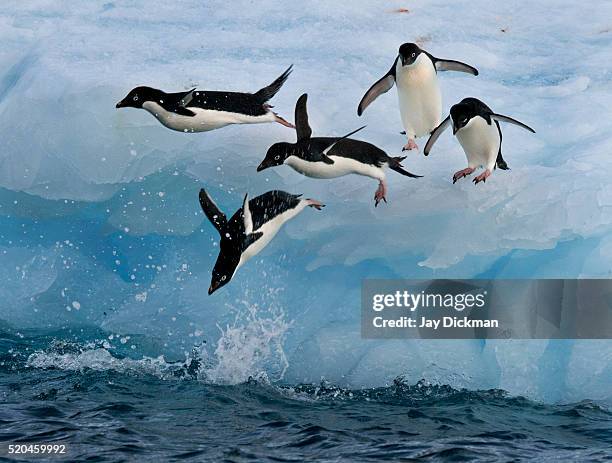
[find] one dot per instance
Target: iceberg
(100, 224)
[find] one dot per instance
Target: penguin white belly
(204, 119)
(420, 100)
(480, 142)
(269, 230)
(341, 166)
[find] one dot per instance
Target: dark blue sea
(109, 409)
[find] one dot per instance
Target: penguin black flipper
(323, 155)
(435, 134)
(247, 217)
(383, 85)
(500, 162)
(451, 65)
(265, 94)
(302, 127)
(499, 117)
(250, 239)
(178, 102)
(212, 212)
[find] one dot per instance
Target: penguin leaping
(330, 157)
(204, 110)
(420, 101)
(250, 229)
(477, 128)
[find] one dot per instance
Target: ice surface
(99, 206)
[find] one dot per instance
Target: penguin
(477, 128)
(250, 229)
(204, 110)
(420, 101)
(330, 157)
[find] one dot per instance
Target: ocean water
(109, 408)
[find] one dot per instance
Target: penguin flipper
(184, 112)
(250, 239)
(212, 212)
(435, 134)
(324, 154)
(180, 106)
(246, 215)
(500, 118)
(301, 119)
(500, 161)
(452, 65)
(187, 98)
(382, 85)
(266, 93)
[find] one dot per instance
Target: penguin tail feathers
(395, 164)
(268, 92)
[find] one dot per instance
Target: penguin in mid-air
(330, 157)
(477, 128)
(204, 110)
(250, 229)
(420, 101)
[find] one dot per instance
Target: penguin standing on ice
(477, 128)
(420, 101)
(204, 110)
(250, 229)
(330, 157)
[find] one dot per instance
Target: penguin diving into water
(477, 128)
(204, 110)
(330, 157)
(250, 229)
(420, 101)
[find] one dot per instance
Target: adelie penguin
(420, 101)
(205, 110)
(330, 157)
(250, 229)
(477, 128)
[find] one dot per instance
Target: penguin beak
(121, 104)
(213, 288)
(261, 167)
(455, 129)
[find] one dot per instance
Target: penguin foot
(381, 193)
(482, 177)
(411, 145)
(282, 121)
(316, 204)
(462, 173)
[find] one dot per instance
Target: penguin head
(138, 96)
(408, 53)
(224, 268)
(277, 155)
(461, 114)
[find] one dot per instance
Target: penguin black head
(408, 53)
(463, 112)
(138, 96)
(277, 155)
(225, 267)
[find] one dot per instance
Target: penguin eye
(135, 97)
(277, 157)
(413, 55)
(223, 278)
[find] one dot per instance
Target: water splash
(251, 347)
